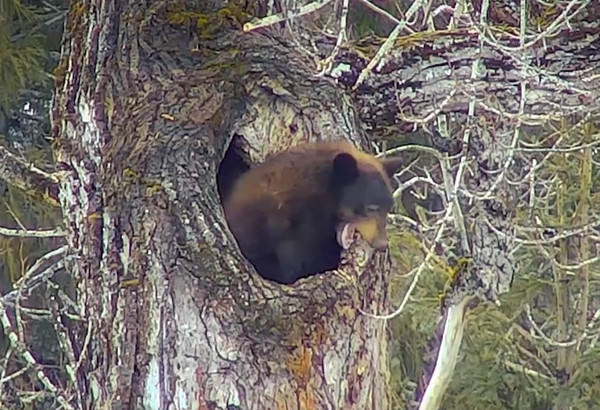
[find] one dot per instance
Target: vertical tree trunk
(173, 314)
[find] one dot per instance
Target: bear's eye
(372, 209)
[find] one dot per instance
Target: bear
(293, 214)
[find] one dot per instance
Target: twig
(289, 14)
(16, 172)
(64, 340)
(41, 233)
(517, 132)
(342, 36)
(387, 44)
(380, 11)
(419, 271)
(550, 30)
(29, 359)
(33, 282)
(39, 262)
(527, 371)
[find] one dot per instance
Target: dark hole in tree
(233, 165)
(231, 168)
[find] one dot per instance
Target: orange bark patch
(300, 366)
(305, 400)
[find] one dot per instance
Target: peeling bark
(415, 80)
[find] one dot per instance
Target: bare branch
(41, 233)
(289, 14)
(19, 346)
(16, 172)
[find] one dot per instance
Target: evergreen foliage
(21, 51)
(505, 362)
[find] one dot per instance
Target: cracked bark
(176, 316)
(142, 121)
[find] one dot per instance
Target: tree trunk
(172, 315)
(177, 316)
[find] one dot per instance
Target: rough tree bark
(172, 314)
(176, 317)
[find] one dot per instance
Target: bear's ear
(345, 169)
(392, 165)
